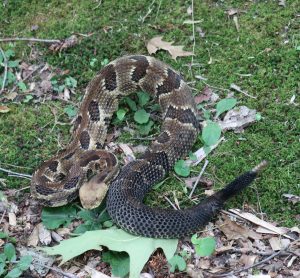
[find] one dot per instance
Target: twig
(194, 39)
(150, 9)
(5, 70)
(169, 201)
(238, 89)
(251, 266)
(18, 176)
(2, 217)
(15, 173)
(29, 40)
(214, 87)
(199, 177)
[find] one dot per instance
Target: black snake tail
(239, 183)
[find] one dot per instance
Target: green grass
(265, 47)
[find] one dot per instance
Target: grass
(265, 49)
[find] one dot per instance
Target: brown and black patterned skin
(57, 181)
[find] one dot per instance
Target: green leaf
(131, 103)
(93, 62)
(181, 168)
(10, 77)
(141, 116)
(24, 262)
(9, 53)
(71, 111)
(121, 114)
(204, 246)
(28, 98)
(3, 235)
(225, 105)
(192, 156)
(2, 268)
(10, 251)
(14, 273)
(143, 98)
(104, 62)
(146, 128)
(211, 133)
(177, 262)
(258, 116)
(119, 262)
(206, 114)
(13, 64)
(138, 248)
(22, 86)
(52, 218)
(71, 82)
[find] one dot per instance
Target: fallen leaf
(94, 273)
(64, 44)
(10, 95)
(281, 3)
(237, 119)
(205, 95)
(248, 260)
(292, 198)
(275, 243)
(157, 43)
(232, 230)
(44, 234)
(4, 109)
(254, 219)
(231, 12)
(138, 248)
(189, 10)
(33, 239)
(12, 219)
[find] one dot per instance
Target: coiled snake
(58, 180)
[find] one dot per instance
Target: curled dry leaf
(205, 95)
(33, 239)
(157, 43)
(237, 119)
(292, 198)
(44, 234)
(4, 109)
(233, 230)
(64, 44)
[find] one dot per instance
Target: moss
(264, 49)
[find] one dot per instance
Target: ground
(262, 58)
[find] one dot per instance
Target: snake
(58, 180)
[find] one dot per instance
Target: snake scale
(57, 180)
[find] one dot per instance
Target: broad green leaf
(146, 128)
(143, 98)
(71, 111)
(24, 262)
(258, 116)
(52, 218)
(13, 64)
(14, 273)
(10, 251)
(104, 62)
(181, 168)
(211, 133)
(22, 86)
(204, 246)
(192, 156)
(121, 114)
(138, 248)
(3, 235)
(141, 116)
(9, 53)
(28, 98)
(119, 262)
(131, 103)
(71, 82)
(2, 258)
(206, 114)
(93, 62)
(11, 78)
(225, 105)
(2, 268)
(177, 262)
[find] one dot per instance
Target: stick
(15, 173)
(238, 89)
(199, 177)
(169, 201)
(29, 40)
(2, 217)
(5, 70)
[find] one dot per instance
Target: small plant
(9, 266)
(138, 109)
(204, 246)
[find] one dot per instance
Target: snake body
(57, 181)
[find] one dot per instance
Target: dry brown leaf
(44, 234)
(10, 95)
(12, 219)
(254, 219)
(64, 44)
(233, 230)
(33, 239)
(292, 198)
(4, 109)
(157, 43)
(275, 243)
(248, 260)
(205, 95)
